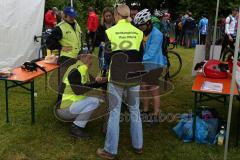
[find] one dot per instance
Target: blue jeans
(112, 136)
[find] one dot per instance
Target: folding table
(21, 77)
(201, 95)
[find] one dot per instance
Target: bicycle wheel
(227, 54)
(174, 64)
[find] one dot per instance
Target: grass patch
(49, 139)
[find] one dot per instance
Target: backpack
(180, 25)
(189, 24)
(230, 20)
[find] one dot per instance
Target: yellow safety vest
(69, 96)
(70, 37)
(123, 37)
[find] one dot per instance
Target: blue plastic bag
(184, 130)
(194, 42)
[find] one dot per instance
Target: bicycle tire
(174, 64)
(226, 54)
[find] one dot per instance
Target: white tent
(20, 21)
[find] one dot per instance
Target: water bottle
(85, 49)
(221, 136)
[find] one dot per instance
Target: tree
(81, 6)
(198, 7)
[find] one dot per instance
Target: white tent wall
(20, 20)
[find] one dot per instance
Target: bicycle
(43, 38)
(172, 44)
(174, 64)
(228, 53)
(174, 61)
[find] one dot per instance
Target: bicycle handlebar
(43, 36)
(36, 38)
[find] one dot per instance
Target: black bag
(32, 66)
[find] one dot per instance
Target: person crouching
(76, 106)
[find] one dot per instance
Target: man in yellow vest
(76, 106)
(124, 48)
(66, 38)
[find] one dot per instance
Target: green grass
(49, 138)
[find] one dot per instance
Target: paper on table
(210, 86)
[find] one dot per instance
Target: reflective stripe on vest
(69, 96)
(124, 36)
(70, 38)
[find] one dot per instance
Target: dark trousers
(203, 39)
(91, 37)
(188, 39)
(182, 38)
(227, 42)
(178, 36)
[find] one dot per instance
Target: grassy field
(49, 138)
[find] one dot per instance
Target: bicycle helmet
(142, 17)
(215, 69)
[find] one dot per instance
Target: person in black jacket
(189, 27)
(66, 38)
(103, 59)
(101, 38)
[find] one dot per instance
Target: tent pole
(232, 89)
(215, 28)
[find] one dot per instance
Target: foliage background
(81, 6)
(197, 7)
(176, 7)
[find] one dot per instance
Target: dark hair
(235, 9)
(91, 9)
(135, 6)
(204, 15)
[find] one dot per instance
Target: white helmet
(142, 17)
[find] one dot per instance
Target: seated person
(76, 106)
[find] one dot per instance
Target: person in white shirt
(230, 30)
